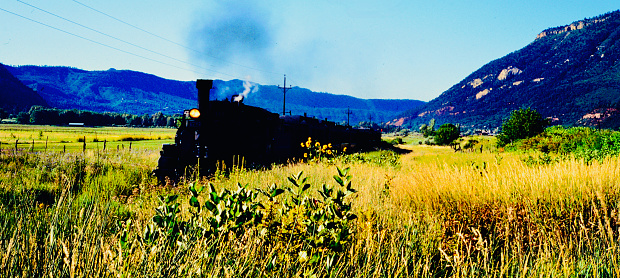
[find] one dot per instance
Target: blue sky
(368, 49)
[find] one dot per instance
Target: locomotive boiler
(219, 131)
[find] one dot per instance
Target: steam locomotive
(219, 131)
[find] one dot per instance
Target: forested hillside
(15, 96)
(570, 74)
(124, 91)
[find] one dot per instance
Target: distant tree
(44, 116)
(146, 120)
(446, 134)
(34, 114)
(118, 119)
(171, 121)
(69, 116)
(522, 123)
(370, 125)
(403, 132)
(97, 119)
(428, 130)
(3, 113)
(85, 117)
(134, 120)
(159, 119)
(23, 118)
(127, 118)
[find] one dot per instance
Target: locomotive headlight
(194, 113)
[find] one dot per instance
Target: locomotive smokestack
(204, 88)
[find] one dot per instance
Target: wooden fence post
(16, 140)
(32, 146)
(46, 138)
(84, 146)
(130, 146)
(105, 141)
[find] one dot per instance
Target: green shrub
(523, 123)
(395, 141)
(583, 143)
(541, 160)
(446, 134)
(380, 158)
(428, 130)
(297, 226)
(133, 138)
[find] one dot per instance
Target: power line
(99, 43)
(121, 40)
(171, 41)
(118, 39)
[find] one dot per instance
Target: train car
(217, 132)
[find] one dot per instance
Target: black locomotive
(217, 132)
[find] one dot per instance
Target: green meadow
(432, 212)
(54, 138)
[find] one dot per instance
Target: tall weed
(435, 215)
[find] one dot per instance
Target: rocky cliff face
(568, 74)
(574, 26)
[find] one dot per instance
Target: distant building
(9, 121)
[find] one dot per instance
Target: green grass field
(72, 138)
(432, 212)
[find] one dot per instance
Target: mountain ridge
(568, 74)
(14, 95)
(126, 91)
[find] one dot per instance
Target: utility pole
(348, 115)
(284, 99)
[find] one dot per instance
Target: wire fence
(13, 148)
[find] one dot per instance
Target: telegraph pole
(348, 115)
(284, 99)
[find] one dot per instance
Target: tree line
(40, 115)
(522, 124)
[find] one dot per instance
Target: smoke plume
(224, 92)
(233, 32)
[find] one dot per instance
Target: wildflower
(329, 152)
(303, 256)
(344, 150)
(329, 145)
(302, 144)
(306, 155)
(317, 144)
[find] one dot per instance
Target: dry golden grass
(434, 213)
